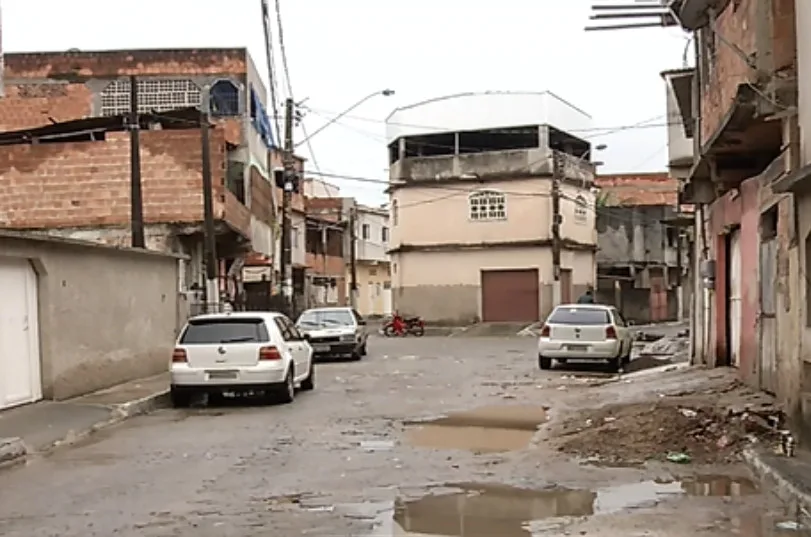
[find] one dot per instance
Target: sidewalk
(40, 426)
(788, 477)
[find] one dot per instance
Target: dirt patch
(618, 435)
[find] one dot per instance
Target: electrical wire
(507, 131)
(286, 67)
(271, 68)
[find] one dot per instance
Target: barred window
(158, 95)
(487, 205)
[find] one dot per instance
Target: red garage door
(510, 295)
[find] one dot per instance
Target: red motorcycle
(401, 326)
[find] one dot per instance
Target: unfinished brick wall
(116, 63)
(46, 86)
(737, 25)
(86, 184)
(261, 197)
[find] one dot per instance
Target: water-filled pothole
(484, 510)
(489, 429)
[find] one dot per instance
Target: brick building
(327, 250)
(47, 88)
(735, 116)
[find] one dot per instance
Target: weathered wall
(737, 208)
(423, 285)
(374, 282)
(87, 184)
(627, 235)
(106, 315)
(527, 206)
(67, 85)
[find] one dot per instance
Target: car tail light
(546, 331)
(269, 353)
(179, 356)
(610, 333)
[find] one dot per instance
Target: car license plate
(321, 348)
(578, 348)
(222, 375)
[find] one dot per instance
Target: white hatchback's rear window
(215, 331)
(581, 316)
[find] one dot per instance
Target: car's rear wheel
(288, 391)
(308, 384)
(544, 363)
(180, 398)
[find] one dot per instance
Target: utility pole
(353, 261)
(136, 196)
(210, 238)
(557, 219)
(286, 265)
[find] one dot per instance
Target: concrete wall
(106, 315)
(374, 282)
(627, 235)
(424, 285)
(374, 247)
(528, 208)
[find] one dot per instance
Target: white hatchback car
(241, 352)
(585, 332)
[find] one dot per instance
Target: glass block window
(159, 95)
(487, 205)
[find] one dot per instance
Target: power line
(504, 130)
(271, 65)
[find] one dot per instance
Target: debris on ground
(680, 430)
(667, 346)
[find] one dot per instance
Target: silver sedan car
(585, 332)
(335, 331)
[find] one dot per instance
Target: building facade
(641, 256)
(53, 87)
(326, 251)
(372, 266)
(739, 107)
(471, 207)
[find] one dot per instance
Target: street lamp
(384, 93)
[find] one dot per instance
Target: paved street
(346, 459)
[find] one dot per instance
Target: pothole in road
(490, 429)
(484, 510)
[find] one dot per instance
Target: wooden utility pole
(557, 219)
(136, 196)
(353, 261)
(210, 237)
(286, 265)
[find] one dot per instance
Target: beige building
(372, 265)
(472, 212)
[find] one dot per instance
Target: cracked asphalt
(342, 461)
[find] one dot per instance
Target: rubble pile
(620, 435)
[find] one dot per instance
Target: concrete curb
(12, 451)
(770, 477)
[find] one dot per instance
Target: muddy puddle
(491, 429)
(485, 510)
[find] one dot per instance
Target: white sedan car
(585, 332)
(241, 352)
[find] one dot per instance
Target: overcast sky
(340, 51)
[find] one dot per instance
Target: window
(581, 316)
(326, 318)
(287, 329)
(296, 234)
(620, 320)
(216, 331)
(365, 232)
(384, 234)
(487, 205)
(224, 98)
(580, 210)
(394, 213)
(154, 95)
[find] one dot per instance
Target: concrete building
(326, 251)
(43, 88)
(372, 266)
(471, 210)
(640, 256)
(79, 317)
(739, 107)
